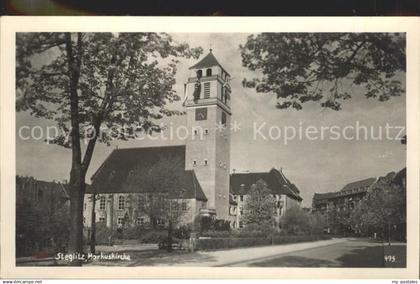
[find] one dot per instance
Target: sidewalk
(127, 247)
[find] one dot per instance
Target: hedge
(224, 243)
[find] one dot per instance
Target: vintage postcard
(209, 147)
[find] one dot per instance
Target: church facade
(190, 180)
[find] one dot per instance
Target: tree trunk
(77, 173)
(77, 191)
(169, 241)
(93, 234)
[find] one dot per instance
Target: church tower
(208, 118)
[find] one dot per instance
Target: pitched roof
(24, 185)
(358, 184)
(323, 196)
(240, 183)
(348, 189)
(208, 61)
(113, 175)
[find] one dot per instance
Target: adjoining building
(41, 211)
(206, 187)
(284, 192)
(45, 195)
(345, 201)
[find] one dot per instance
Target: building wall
(201, 148)
(283, 200)
(208, 151)
(222, 167)
(112, 212)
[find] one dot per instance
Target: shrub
(133, 233)
(103, 234)
(183, 232)
(221, 225)
(154, 236)
(211, 224)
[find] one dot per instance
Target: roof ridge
(246, 173)
(208, 61)
(286, 181)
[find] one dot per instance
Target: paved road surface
(330, 253)
(352, 253)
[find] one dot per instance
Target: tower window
(141, 202)
(207, 90)
(208, 72)
(184, 206)
(194, 163)
(223, 118)
(206, 131)
(224, 99)
(206, 162)
(121, 203)
(102, 203)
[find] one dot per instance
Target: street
(326, 253)
(329, 253)
(355, 253)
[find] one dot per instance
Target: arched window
(208, 72)
(121, 202)
(199, 74)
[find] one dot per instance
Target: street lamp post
(388, 213)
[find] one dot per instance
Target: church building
(131, 179)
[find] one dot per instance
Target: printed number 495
(390, 258)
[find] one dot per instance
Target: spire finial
(210, 49)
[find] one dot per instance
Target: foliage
(37, 230)
(212, 224)
(303, 67)
(260, 205)
(182, 232)
(263, 229)
(104, 235)
(298, 222)
(83, 81)
(221, 225)
(384, 204)
(339, 220)
(123, 80)
(206, 223)
(154, 236)
(317, 223)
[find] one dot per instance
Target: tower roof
(208, 61)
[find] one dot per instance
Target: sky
(321, 165)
